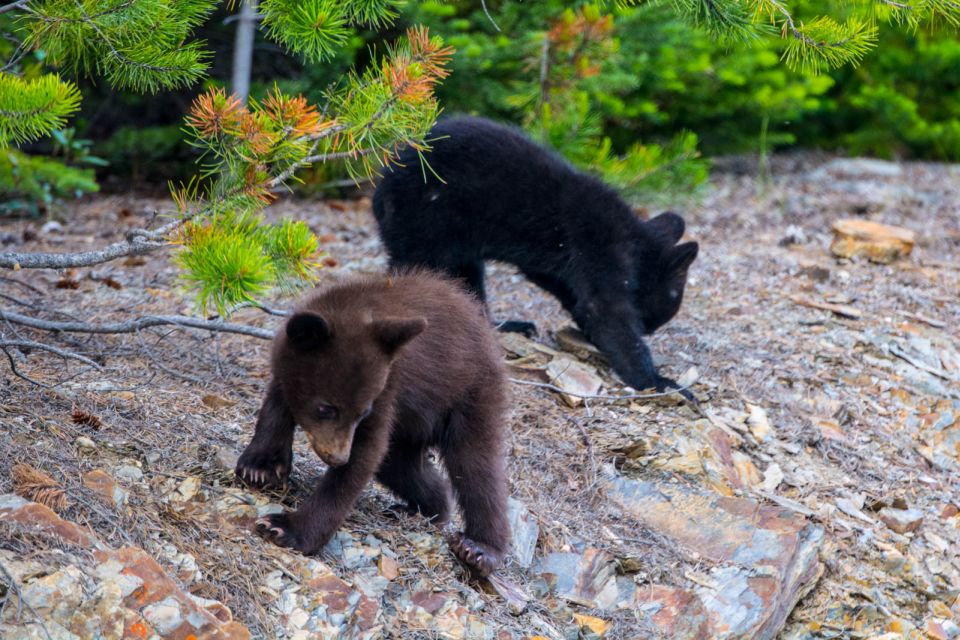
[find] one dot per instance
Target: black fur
(502, 197)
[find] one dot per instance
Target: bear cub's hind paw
(262, 470)
(481, 559)
(527, 329)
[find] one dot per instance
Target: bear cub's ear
(393, 333)
(667, 227)
(679, 258)
(307, 331)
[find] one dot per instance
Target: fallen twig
(136, 243)
(903, 355)
(627, 396)
(843, 310)
(30, 344)
(133, 326)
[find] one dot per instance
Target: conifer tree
(249, 151)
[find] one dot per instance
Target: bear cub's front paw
(263, 469)
(481, 559)
(280, 529)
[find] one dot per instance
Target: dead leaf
(574, 378)
(216, 402)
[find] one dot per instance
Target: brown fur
(408, 362)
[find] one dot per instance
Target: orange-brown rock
(877, 242)
(122, 593)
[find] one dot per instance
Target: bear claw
(261, 471)
(481, 559)
(276, 528)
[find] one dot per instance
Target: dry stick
(283, 313)
(22, 376)
(168, 370)
(29, 344)
(25, 285)
(629, 396)
(134, 245)
(132, 326)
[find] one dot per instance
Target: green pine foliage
(249, 151)
(140, 45)
(230, 258)
(31, 109)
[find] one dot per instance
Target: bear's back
(486, 191)
(456, 351)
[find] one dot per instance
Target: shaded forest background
(637, 94)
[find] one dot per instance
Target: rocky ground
(813, 493)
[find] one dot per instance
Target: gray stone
(587, 579)
(524, 529)
(165, 616)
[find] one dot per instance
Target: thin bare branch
(132, 326)
(626, 396)
(30, 344)
(22, 376)
(13, 6)
(137, 242)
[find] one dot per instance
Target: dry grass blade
(37, 486)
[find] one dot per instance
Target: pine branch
(135, 325)
(13, 6)
(30, 109)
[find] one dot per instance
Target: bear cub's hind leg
(474, 461)
(267, 460)
(407, 472)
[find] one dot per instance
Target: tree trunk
(243, 49)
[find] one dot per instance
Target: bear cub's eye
(327, 412)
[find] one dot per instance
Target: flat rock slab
(765, 560)
(877, 242)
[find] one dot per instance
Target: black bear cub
(376, 371)
(492, 194)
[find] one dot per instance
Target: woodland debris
(524, 532)
(574, 378)
(81, 417)
(106, 488)
(595, 626)
(35, 485)
(573, 341)
(772, 477)
(85, 445)
(843, 310)
(881, 243)
(587, 579)
(758, 422)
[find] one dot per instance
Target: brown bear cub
(376, 371)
